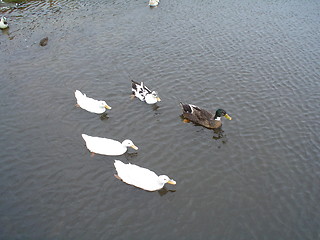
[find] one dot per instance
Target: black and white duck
(142, 92)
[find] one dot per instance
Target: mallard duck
(90, 104)
(3, 23)
(203, 117)
(141, 91)
(106, 146)
(153, 3)
(141, 177)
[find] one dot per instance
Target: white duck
(141, 177)
(3, 23)
(107, 146)
(153, 3)
(141, 91)
(90, 104)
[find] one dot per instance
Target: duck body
(202, 116)
(153, 3)
(106, 146)
(90, 104)
(3, 23)
(141, 177)
(44, 41)
(141, 91)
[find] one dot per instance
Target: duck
(3, 23)
(44, 41)
(90, 104)
(153, 3)
(140, 177)
(203, 117)
(142, 92)
(106, 146)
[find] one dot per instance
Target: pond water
(258, 178)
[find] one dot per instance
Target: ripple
(258, 61)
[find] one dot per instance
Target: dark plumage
(44, 41)
(203, 117)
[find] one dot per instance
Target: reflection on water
(104, 116)
(131, 156)
(219, 134)
(155, 107)
(164, 191)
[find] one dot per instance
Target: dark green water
(258, 60)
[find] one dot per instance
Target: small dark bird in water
(44, 41)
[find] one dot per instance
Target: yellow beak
(158, 99)
(171, 181)
(134, 147)
(107, 107)
(227, 117)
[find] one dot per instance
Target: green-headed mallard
(203, 117)
(141, 177)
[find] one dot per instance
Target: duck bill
(134, 147)
(107, 107)
(171, 181)
(158, 99)
(227, 117)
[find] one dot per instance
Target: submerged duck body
(3, 23)
(142, 92)
(141, 177)
(106, 146)
(90, 104)
(203, 117)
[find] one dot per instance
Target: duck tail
(182, 105)
(134, 82)
(117, 164)
(79, 94)
(186, 107)
(85, 137)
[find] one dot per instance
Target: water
(258, 60)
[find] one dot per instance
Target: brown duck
(203, 117)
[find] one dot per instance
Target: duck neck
(217, 118)
(150, 99)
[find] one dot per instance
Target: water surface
(258, 60)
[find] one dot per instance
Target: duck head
(152, 97)
(155, 95)
(103, 104)
(165, 179)
(221, 112)
(129, 143)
